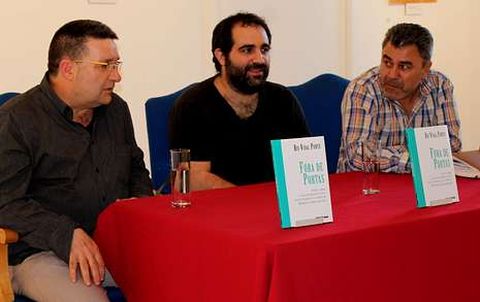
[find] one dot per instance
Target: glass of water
(180, 177)
(371, 154)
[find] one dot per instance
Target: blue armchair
(157, 110)
(321, 99)
(6, 96)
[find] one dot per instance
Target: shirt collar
(426, 85)
(60, 105)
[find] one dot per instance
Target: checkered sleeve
(449, 114)
(363, 119)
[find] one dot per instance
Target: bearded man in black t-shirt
(228, 120)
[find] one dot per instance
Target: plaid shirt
(368, 115)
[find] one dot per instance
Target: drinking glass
(180, 177)
(370, 154)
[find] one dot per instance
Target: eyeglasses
(106, 66)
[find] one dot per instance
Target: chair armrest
(6, 236)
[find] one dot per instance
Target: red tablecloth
(229, 247)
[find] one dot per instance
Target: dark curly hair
(222, 34)
(404, 34)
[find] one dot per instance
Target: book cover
(432, 166)
(301, 179)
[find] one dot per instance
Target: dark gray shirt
(56, 175)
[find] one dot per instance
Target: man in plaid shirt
(402, 92)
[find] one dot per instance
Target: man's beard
(242, 82)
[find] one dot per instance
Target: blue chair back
(321, 99)
(157, 110)
(6, 96)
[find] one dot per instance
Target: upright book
(301, 178)
(432, 166)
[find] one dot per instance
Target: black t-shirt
(238, 149)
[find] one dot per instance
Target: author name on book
(306, 147)
(435, 134)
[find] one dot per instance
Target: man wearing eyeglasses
(67, 151)
(229, 119)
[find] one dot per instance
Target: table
(229, 247)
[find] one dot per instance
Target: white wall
(160, 43)
(308, 37)
(454, 26)
(166, 44)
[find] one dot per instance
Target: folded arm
(202, 179)
(360, 123)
